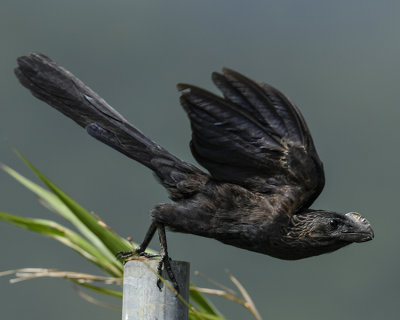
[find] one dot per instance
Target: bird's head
(325, 231)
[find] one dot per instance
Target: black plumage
(264, 171)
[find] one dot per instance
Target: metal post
(142, 299)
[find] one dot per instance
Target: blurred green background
(337, 60)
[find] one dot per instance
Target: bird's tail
(62, 90)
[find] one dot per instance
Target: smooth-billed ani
(264, 171)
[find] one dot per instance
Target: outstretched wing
(254, 137)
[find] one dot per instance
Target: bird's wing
(254, 137)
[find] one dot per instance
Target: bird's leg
(165, 260)
(142, 247)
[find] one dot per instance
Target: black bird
(264, 171)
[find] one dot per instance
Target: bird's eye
(333, 224)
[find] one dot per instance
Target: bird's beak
(359, 229)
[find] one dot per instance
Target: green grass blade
(111, 240)
(204, 316)
(110, 292)
(64, 235)
(53, 203)
(202, 303)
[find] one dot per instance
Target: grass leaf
(95, 301)
(110, 292)
(111, 240)
(204, 316)
(202, 302)
(53, 203)
(64, 235)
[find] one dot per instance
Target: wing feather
(253, 136)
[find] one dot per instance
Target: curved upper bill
(360, 229)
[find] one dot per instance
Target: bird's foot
(138, 252)
(124, 254)
(165, 262)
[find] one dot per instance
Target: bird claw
(127, 254)
(165, 261)
(124, 254)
